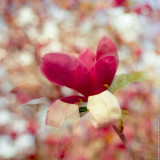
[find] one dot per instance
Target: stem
(124, 140)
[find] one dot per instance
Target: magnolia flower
(90, 74)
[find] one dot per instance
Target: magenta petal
(63, 70)
(105, 70)
(106, 48)
(80, 71)
(59, 68)
(87, 57)
(73, 99)
(86, 85)
(100, 76)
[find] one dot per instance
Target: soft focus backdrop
(29, 30)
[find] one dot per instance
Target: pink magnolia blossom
(89, 74)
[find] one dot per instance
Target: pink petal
(59, 111)
(87, 57)
(106, 48)
(73, 99)
(80, 71)
(105, 70)
(59, 68)
(65, 70)
(101, 73)
(86, 85)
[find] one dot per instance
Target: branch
(124, 140)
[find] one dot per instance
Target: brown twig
(124, 140)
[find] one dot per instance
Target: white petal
(72, 115)
(60, 111)
(103, 109)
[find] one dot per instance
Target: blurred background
(29, 30)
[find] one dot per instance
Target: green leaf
(123, 80)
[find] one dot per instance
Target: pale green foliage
(123, 80)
